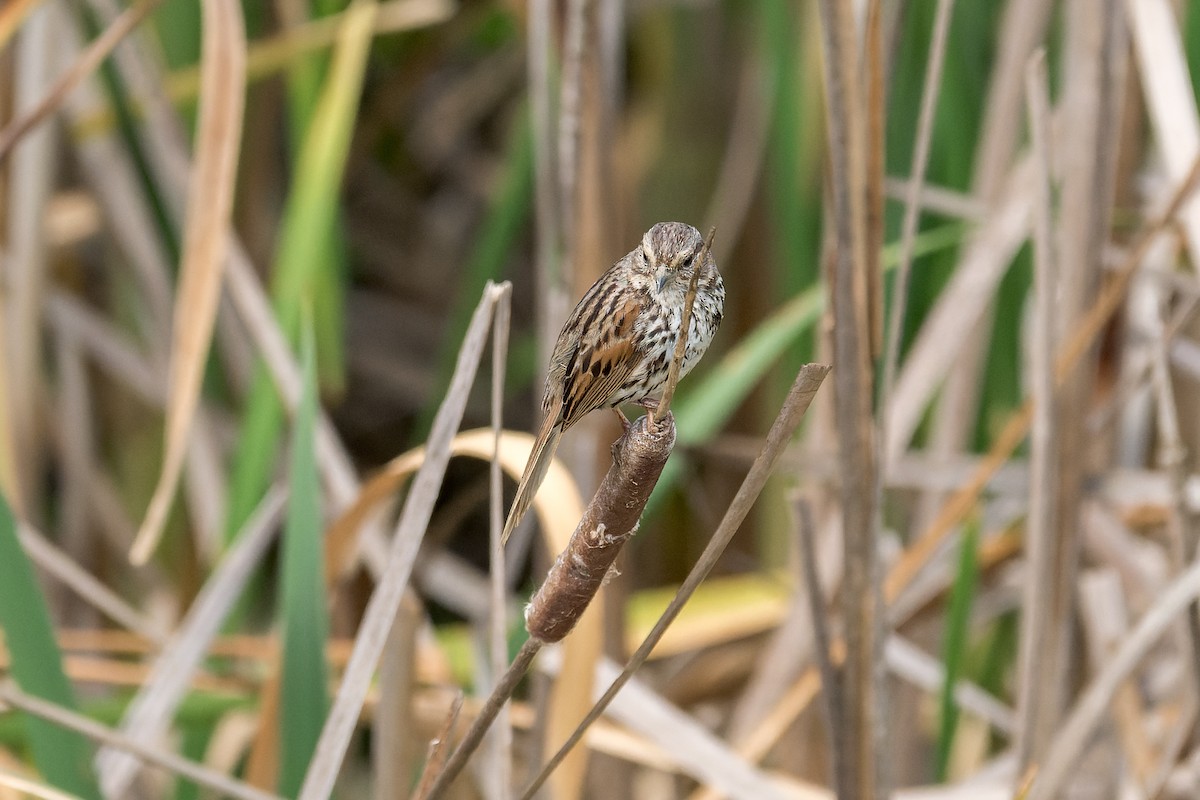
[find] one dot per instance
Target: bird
(617, 344)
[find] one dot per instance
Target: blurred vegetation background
(242, 244)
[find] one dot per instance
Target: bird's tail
(535, 472)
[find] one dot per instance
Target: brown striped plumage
(617, 345)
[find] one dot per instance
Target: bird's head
(669, 253)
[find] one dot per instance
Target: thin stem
(808, 381)
(685, 322)
(435, 757)
(1042, 527)
(499, 696)
(914, 189)
(822, 641)
(85, 65)
(501, 769)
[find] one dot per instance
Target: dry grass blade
(919, 553)
(808, 381)
(149, 715)
(12, 14)
(10, 475)
(487, 715)
(205, 245)
(84, 66)
(385, 601)
(395, 736)
(874, 98)
(246, 292)
(435, 759)
(822, 641)
(558, 506)
(1090, 105)
(909, 663)
(31, 788)
(853, 313)
(1104, 616)
(552, 298)
(693, 749)
(1170, 98)
(685, 321)
(938, 199)
(197, 773)
(501, 768)
(76, 437)
(31, 175)
(1042, 527)
(960, 305)
(1069, 740)
(914, 188)
(267, 56)
(570, 100)
(113, 351)
(1010, 437)
(58, 564)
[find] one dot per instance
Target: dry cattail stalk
(609, 521)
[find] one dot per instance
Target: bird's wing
(604, 360)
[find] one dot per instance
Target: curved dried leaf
(210, 205)
(558, 506)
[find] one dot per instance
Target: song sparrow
(617, 345)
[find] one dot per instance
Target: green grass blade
(194, 746)
(63, 757)
(262, 425)
(1191, 42)
(955, 641)
(177, 23)
(307, 227)
(705, 408)
(304, 79)
(794, 159)
(312, 206)
(304, 673)
(702, 411)
(127, 125)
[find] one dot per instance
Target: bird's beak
(662, 280)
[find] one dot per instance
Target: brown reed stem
(439, 746)
(822, 638)
(805, 387)
(609, 521)
(487, 715)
